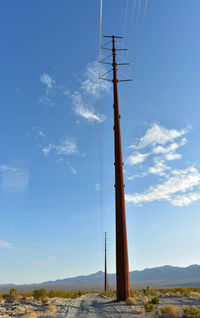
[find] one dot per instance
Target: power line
(100, 126)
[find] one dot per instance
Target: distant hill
(164, 276)
(163, 273)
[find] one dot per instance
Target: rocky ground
(91, 306)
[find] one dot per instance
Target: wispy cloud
(85, 97)
(49, 84)
(51, 258)
(72, 169)
(4, 244)
(65, 148)
(47, 80)
(90, 84)
(82, 110)
(13, 178)
(40, 263)
(48, 260)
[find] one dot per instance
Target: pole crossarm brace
(105, 79)
(113, 36)
(107, 62)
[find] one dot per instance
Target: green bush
(39, 294)
(191, 312)
(13, 291)
(44, 301)
(148, 307)
(155, 300)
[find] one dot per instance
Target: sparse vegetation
(155, 300)
(169, 311)
(66, 294)
(148, 306)
(40, 294)
(191, 312)
(109, 293)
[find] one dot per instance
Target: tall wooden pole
(122, 267)
(105, 281)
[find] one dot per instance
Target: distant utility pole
(122, 266)
(105, 281)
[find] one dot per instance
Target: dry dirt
(90, 306)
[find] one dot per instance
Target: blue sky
(51, 222)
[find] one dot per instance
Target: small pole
(105, 281)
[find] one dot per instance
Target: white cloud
(91, 83)
(47, 80)
(98, 187)
(13, 178)
(158, 135)
(82, 110)
(179, 182)
(51, 258)
(72, 169)
(40, 133)
(185, 199)
(40, 263)
(171, 148)
(65, 148)
(136, 158)
(134, 176)
(173, 156)
(159, 168)
(46, 100)
(4, 244)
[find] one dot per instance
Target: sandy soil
(90, 306)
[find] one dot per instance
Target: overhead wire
(136, 40)
(100, 128)
(140, 31)
(125, 19)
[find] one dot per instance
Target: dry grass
(131, 301)
(145, 299)
(30, 315)
(169, 311)
(51, 307)
(194, 295)
(20, 311)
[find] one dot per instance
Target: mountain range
(164, 276)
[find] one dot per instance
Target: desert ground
(93, 306)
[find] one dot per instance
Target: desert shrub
(191, 312)
(169, 311)
(44, 301)
(155, 300)
(39, 294)
(131, 301)
(133, 293)
(6, 296)
(26, 295)
(12, 292)
(148, 306)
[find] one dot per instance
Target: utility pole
(122, 266)
(105, 281)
